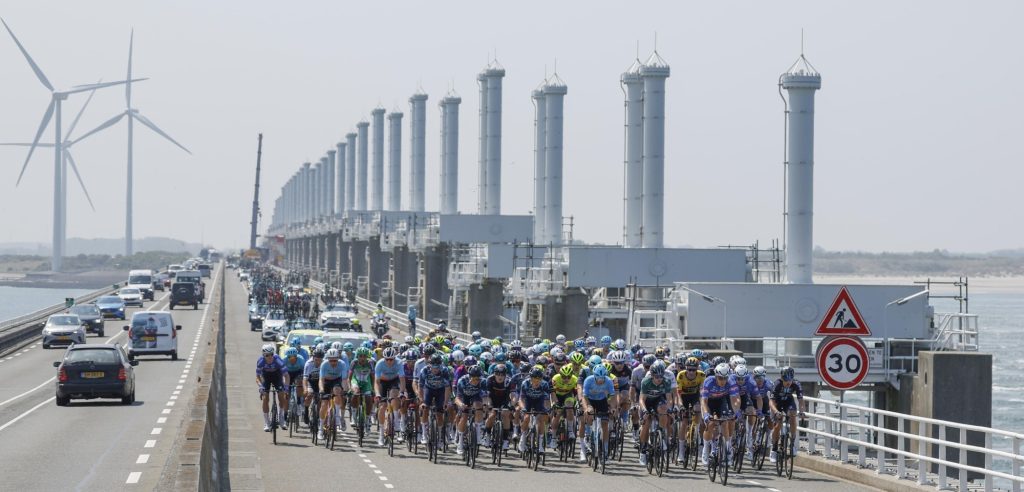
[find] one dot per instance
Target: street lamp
(885, 321)
(712, 299)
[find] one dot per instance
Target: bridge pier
(357, 258)
(486, 303)
(377, 264)
(344, 264)
(332, 258)
(432, 278)
(404, 274)
(566, 314)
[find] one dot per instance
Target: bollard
(842, 434)
(901, 461)
(865, 437)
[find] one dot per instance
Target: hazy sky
(919, 125)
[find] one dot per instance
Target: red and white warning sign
(843, 362)
(843, 318)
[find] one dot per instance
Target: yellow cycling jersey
(689, 386)
(563, 386)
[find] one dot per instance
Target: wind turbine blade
(152, 126)
(35, 68)
(128, 86)
(71, 160)
(74, 123)
(103, 126)
(89, 87)
(39, 134)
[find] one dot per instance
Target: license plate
(64, 338)
(148, 339)
(92, 375)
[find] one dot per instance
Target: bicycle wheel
(713, 465)
(470, 450)
(360, 422)
(723, 461)
(332, 430)
(273, 418)
(739, 451)
(790, 458)
(390, 436)
(496, 441)
(658, 453)
(432, 439)
(538, 454)
(314, 423)
(780, 460)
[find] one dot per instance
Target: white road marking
(18, 354)
(371, 465)
(142, 460)
(150, 444)
(378, 472)
(754, 482)
(383, 479)
(166, 411)
(48, 381)
(176, 392)
(170, 403)
(389, 486)
(133, 477)
(174, 397)
(156, 431)
(773, 490)
(178, 387)
(161, 420)
(19, 417)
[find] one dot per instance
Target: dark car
(95, 371)
(111, 307)
(204, 269)
(91, 317)
(184, 294)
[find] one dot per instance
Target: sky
(918, 122)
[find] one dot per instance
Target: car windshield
(305, 339)
(108, 300)
(204, 267)
(339, 307)
(85, 309)
(140, 279)
(129, 291)
(94, 355)
(64, 320)
(275, 315)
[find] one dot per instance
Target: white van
(152, 333)
(142, 280)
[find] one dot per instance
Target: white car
(346, 311)
(152, 333)
(131, 296)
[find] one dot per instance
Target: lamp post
(885, 321)
(713, 299)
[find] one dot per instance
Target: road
(257, 464)
(98, 444)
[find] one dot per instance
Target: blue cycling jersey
(276, 365)
(385, 372)
(435, 381)
(711, 389)
(765, 389)
(529, 392)
(592, 390)
(298, 365)
(311, 370)
(330, 373)
(746, 387)
(466, 389)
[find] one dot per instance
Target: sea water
(18, 301)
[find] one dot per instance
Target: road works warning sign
(843, 318)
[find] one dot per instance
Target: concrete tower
(494, 74)
(362, 128)
(377, 174)
(481, 172)
(800, 81)
(339, 180)
(539, 167)
(450, 153)
(633, 87)
(554, 100)
(654, 72)
(418, 167)
(331, 181)
(307, 192)
(350, 171)
(395, 161)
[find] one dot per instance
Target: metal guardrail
(16, 330)
(839, 426)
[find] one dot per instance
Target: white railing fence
(835, 428)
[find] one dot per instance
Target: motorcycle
(380, 325)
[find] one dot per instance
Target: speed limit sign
(842, 362)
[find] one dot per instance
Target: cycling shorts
(535, 404)
(747, 402)
(720, 406)
(363, 388)
(387, 385)
(787, 405)
(330, 384)
(654, 403)
(560, 399)
(272, 378)
(434, 398)
(471, 399)
(294, 377)
(600, 406)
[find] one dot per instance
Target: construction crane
(256, 195)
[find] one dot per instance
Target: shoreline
(976, 285)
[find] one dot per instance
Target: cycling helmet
(469, 360)
(617, 357)
(501, 369)
(458, 356)
(435, 360)
(268, 349)
(717, 360)
(560, 358)
(333, 354)
(525, 367)
(385, 343)
(318, 340)
(363, 352)
(560, 338)
(367, 345)
(296, 342)
(389, 353)
(319, 352)
(402, 348)
(347, 347)
(635, 348)
(487, 356)
(594, 360)
(722, 370)
(577, 357)
(579, 344)
(417, 340)
(601, 371)
(410, 356)
(544, 347)
(321, 347)
(620, 343)
(658, 370)
(517, 344)
(659, 352)
(536, 372)
(741, 372)
(475, 350)
(499, 356)
(428, 351)
(606, 341)
(458, 346)
(760, 372)
(446, 360)
(497, 339)
(692, 363)
(408, 339)
(336, 345)
(556, 351)
(547, 341)
(475, 372)
(566, 371)
(648, 360)
(640, 354)
(598, 352)
(698, 353)
(787, 373)
(291, 352)
(476, 335)
(543, 360)
(591, 341)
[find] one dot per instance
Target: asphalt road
(98, 444)
(255, 463)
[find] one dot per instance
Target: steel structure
(800, 82)
(633, 89)
(350, 170)
(539, 167)
(554, 97)
(654, 72)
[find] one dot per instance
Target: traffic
(591, 401)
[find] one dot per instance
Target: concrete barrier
(213, 465)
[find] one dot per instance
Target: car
(193, 276)
(90, 316)
(152, 333)
(63, 329)
(95, 370)
(256, 314)
(142, 280)
(338, 311)
(172, 269)
(161, 282)
(111, 307)
(356, 338)
(204, 269)
(131, 296)
(273, 324)
(337, 324)
(305, 336)
(183, 294)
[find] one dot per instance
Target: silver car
(131, 296)
(63, 329)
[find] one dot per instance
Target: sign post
(69, 301)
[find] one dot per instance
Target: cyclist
(621, 374)
(688, 381)
(297, 343)
(311, 378)
(499, 389)
(469, 392)
(786, 398)
(435, 388)
(655, 390)
(598, 389)
(361, 373)
(564, 385)
(295, 364)
(270, 371)
(637, 377)
(389, 381)
(750, 401)
(333, 384)
(533, 395)
(719, 395)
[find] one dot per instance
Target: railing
(837, 427)
(14, 330)
(956, 331)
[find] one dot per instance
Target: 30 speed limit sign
(842, 362)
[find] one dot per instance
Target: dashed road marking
(133, 477)
(150, 443)
(161, 420)
(142, 460)
(156, 431)
(178, 387)
(166, 411)
(773, 490)
(170, 403)
(174, 397)
(754, 482)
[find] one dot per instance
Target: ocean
(17, 301)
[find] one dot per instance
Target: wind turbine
(132, 114)
(53, 110)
